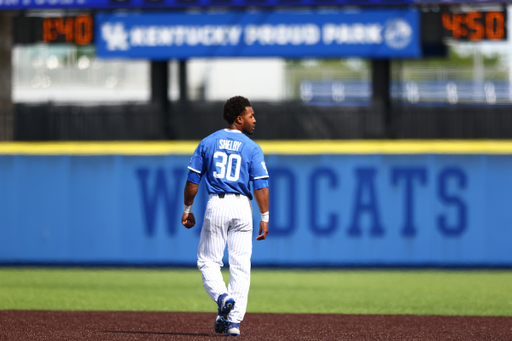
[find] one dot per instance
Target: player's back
(228, 156)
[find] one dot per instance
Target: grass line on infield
(422, 292)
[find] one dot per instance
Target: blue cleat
(226, 303)
(232, 329)
(220, 324)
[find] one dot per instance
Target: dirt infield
(106, 326)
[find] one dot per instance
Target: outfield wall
(332, 203)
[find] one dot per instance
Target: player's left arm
(188, 220)
(196, 171)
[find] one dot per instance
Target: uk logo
(397, 34)
(115, 36)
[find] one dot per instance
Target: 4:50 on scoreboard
(475, 25)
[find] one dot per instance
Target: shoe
(232, 329)
(220, 324)
(226, 303)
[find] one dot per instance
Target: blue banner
(333, 210)
(392, 33)
(138, 4)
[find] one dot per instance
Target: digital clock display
(475, 25)
(76, 30)
(68, 29)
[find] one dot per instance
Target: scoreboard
(439, 23)
(475, 25)
(77, 29)
(449, 22)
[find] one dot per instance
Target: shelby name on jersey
(229, 145)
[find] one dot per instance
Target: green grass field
(438, 292)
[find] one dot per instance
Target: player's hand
(188, 220)
(263, 230)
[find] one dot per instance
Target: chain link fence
(65, 93)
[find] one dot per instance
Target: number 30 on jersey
(224, 159)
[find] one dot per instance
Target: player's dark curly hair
(234, 107)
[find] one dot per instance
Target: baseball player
(229, 161)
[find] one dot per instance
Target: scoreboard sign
(77, 30)
(475, 25)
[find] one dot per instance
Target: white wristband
(187, 209)
(264, 217)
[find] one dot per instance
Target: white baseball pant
(227, 220)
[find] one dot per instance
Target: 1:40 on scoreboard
(77, 29)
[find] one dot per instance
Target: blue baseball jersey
(229, 160)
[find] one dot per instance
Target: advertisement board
(386, 33)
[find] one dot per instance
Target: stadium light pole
(183, 80)
(159, 84)
(6, 107)
(159, 92)
(381, 124)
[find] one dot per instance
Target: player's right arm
(259, 177)
(261, 196)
